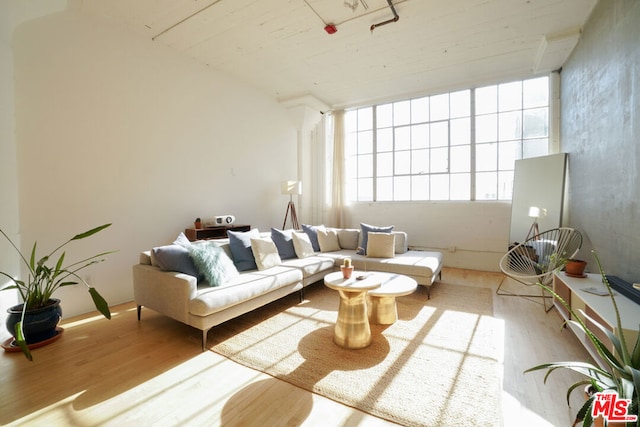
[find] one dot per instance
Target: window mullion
(375, 153)
(472, 166)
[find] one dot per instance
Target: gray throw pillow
(312, 232)
(175, 258)
(284, 242)
(240, 245)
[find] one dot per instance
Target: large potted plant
(44, 278)
(621, 373)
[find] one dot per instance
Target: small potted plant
(347, 268)
(622, 371)
(575, 267)
(44, 278)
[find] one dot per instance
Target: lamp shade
(534, 212)
(292, 187)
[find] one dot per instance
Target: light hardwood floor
(123, 372)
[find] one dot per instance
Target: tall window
(453, 146)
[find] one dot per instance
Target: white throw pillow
(265, 253)
(348, 238)
(381, 245)
(302, 244)
(328, 240)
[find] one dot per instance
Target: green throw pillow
(213, 263)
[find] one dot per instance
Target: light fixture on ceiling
(353, 4)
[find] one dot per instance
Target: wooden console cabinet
(600, 308)
(217, 232)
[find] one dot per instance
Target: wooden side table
(382, 301)
(216, 232)
(352, 328)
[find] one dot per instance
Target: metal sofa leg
(139, 311)
(204, 339)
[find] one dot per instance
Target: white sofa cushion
(265, 253)
(247, 285)
(311, 265)
(364, 236)
(328, 240)
(381, 245)
(302, 245)
(348, 238)
(402, 245)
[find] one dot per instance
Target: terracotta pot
(346, 271)
(575, 267)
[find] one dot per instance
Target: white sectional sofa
(166, 286)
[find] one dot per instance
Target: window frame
(365, 157)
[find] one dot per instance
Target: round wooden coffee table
(382, 301)
(352, 326)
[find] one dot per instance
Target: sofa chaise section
(422, 266)
(181, 297)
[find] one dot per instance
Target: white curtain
(336, 210)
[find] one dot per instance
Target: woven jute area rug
(439, 364)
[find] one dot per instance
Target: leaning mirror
(538, 195)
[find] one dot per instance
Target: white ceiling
(281, 47)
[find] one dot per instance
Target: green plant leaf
(90, 232)
(67, 284)
(21, 341)
(59, 263)
(32, 260)
(100, 303)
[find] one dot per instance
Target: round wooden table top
(395, 285)
(370, 281)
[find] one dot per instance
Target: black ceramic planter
(39, 324)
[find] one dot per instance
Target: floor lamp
(535, 213)
(291, 188)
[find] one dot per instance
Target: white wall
(115, 128)
(12, 13)
(478, 232)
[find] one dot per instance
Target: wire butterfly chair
(536, 259)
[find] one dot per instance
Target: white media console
(575, 292)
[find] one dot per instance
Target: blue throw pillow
(213, 263)
(240, 245)
(366, 228)
(175, 258)
(312, 232)
(284, 243)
